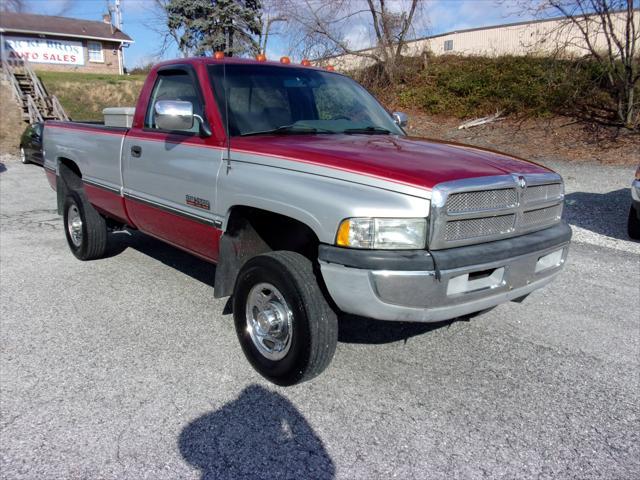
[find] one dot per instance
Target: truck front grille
(541, 217)
(487, 199)
(491, 208)
(479, 227)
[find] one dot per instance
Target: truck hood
(412, 161)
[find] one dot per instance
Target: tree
(327, 26)
(608, 31)
(201, 27)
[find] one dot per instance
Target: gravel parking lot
(127, 367)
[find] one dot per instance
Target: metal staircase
(37, 105)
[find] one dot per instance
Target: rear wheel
(286, 329)
(633, 225)
(85, 228)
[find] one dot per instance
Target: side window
(174, 85)
(448, 45)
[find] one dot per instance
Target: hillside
(84, 95)
(11, 123)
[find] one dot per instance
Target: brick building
(63, 44)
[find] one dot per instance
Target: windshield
(277, 100)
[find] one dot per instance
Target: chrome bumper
(431, 296)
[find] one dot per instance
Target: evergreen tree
(205, 26)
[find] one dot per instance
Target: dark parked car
(31, 144)
(634, 211)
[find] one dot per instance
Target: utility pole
(116, 12)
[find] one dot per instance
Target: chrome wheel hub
(269, 321)
(74, 225)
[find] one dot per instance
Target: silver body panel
(165, 173)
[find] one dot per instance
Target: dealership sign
(43, 50)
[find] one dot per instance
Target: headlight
(383, 233)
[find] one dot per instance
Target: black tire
(314, 332)
(633, 225)
(93, 241)
(23, 156)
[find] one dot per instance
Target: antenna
(226, 108)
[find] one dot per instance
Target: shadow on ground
(259, 435)
(184, 262)
(352, 329)
(602, 213)
(2, 167)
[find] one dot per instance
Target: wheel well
(279, 232)
(69, 178)
(252, 231)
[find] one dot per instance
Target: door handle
(136, 151)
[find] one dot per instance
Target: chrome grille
(479, 227)
(464, 212)
(541, 217)
(482, 200)
(541, 193)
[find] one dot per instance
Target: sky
(141, 22)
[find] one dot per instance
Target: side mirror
(174, 115)
(400, 118)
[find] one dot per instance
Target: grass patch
(465, 87)
(84, 95)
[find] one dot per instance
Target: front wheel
(286, 328)
(85, 228)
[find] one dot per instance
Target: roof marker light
(305, 63)
(330, 68)
(285, 60)
(261, 57)
(218, 55)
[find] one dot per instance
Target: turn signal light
(342, 238)
(218, 55)
(285, 60)
(305, 63)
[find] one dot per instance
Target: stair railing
(13, 82)
(32, 110)
(57, 110)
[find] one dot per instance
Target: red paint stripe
(107, 202)
(194, 237)
(51, 178)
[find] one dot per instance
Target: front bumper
(449, 283)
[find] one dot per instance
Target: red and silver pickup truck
(311, 200)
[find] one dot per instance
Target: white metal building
(536, 37)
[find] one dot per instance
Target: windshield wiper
(371, 130)
(289, 129)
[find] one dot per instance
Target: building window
(95, 52)
(448, 45)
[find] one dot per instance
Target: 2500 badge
(198, 202)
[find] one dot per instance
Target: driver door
(170, 176)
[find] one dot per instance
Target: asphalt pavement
(127, 367)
